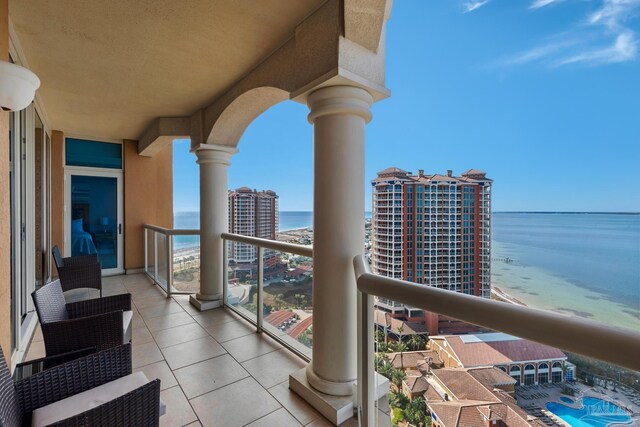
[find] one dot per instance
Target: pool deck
(533, 399)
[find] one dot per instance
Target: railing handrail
(271, 244)
(172, 231)
(617, 345)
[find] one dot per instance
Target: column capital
(210, 153)
(349, 100)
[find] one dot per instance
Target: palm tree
(398, 346)
(416, 343)
(397, 376)
(416, 413)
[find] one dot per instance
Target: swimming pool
(593, 413)
(566, 400)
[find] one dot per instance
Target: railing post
(366, 373)
(169, 264)
(225, 271)
(146, 251)
(155, 256)
(259, 304)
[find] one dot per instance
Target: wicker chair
(100, 322)
(95, 390)
(75, 272)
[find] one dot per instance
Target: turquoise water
(578, 264)
(593, 413)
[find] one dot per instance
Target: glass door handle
(119, 228)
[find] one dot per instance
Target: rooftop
(496, 349)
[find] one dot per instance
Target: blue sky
(544, 95)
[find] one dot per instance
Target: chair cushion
(126, 326)
(82, 402)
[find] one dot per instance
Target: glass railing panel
(162, 266)
(151, 253)
(186, 263)
(288, 299)
(242, 279)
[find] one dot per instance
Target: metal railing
(159, 256)
(615, 345)
(261, 245)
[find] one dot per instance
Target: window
(81, 152)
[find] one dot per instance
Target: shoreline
(501, 295)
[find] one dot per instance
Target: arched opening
(543, 373)
(529, 374)
(514, 371)
(556, 372)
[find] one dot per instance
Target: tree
(416, 343)
(398, 346)
(397, 376)
(416, 413)
(398, 400)
(386, 370)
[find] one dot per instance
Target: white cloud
(537, 53)
(624, 48)
(604, 37)
(537, 4)
(470, 6)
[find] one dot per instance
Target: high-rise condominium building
(433, 229)
(251, 213)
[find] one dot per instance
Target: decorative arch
(239, 113)
(529, 367)
(514, 369)
(543, 366)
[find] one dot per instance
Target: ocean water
(579, 264)
(288, 220)
(582, 264)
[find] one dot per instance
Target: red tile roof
(498, 352)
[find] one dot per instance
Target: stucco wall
(5, 221)
(148, 198)
(57, 193)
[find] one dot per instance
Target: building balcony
(215, 369)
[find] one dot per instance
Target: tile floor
(215, 370)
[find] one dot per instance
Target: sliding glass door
(93, 217)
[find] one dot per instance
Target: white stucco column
(339, 115)
(214, 160)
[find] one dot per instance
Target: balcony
(213, 366)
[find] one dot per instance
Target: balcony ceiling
(108, 68)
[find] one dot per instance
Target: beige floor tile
(137, 320)
(169, 307)
(187, 353)
(196, 424)
(230, 330)
(36, 351)
(279, 418)
(235, 405)
(168, 321)
(273, 368)
(141, 336)
(144, 354)
(37, 335)
(209, 375)
(215, 317)
(159, 370)
(250, 346)
(179, 412)
(179, 334)
(300, 409)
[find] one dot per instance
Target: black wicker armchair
(75, 272)
(100, 322)
(95, 390)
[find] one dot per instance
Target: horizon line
(494, 212)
